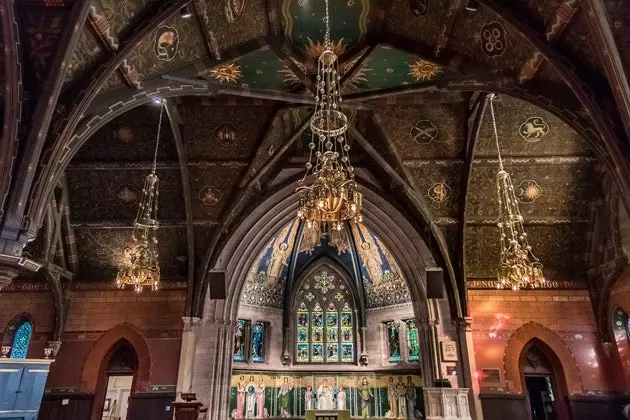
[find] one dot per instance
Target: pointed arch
(18, 334)
(559, 354)
(98, 358)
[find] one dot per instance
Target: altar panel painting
(278, 395)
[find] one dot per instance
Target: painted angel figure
(284, 398)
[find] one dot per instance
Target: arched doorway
(543, 381)
(115, 382)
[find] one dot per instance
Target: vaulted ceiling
(238, 76)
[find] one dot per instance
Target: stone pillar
(187, 355)
(213, 355)
(7, 275)
(363, 359)
(468, 365)
(430, 354)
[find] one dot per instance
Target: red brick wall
(157, 315)
(620, 354)
(497, 314)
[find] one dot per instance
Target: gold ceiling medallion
(229, 73)
(328, 194)
(423, 70)
(534, 129)
(139, 266)
(166, 43)
(518, 266)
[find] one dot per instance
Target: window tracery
(325, 333)
(21, 340)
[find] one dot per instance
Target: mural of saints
(341, 399)
(365, 396)
(411, 399)
(240, 398)
(284, 398)
(250, 399)
(401, 393)
(308, 398)
(277, 262)
(392, 398)
(260, 399)
(325, 396)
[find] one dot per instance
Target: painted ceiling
(239, 76)
(381, 278)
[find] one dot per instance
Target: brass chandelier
(518, 266)
(328, 195)
(139, 266)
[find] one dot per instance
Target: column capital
(7, 275)
(54, 346)
(191, 323)
(463, 323)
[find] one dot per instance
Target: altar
(327, 415)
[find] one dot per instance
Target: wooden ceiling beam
(476, 113)
(565, 14)
(281, 48)
(599, 24)
(454, 9)
(74, 103)
(176, 127)
(43, 113)
(203, 21)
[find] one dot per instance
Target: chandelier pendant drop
(139, 266)
(518, 266)
(328, 195)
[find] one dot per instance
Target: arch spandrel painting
(382, 279)
(267, 276)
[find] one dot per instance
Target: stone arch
(560, 355)
(96, 361)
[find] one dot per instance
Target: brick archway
(96, 362)
(534, 331)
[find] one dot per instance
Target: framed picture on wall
(449, 351)
(490, 375)
(108, 403)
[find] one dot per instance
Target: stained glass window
(393, 342)
(240, 338)
(324, 333)
(21, 341)
(413, 344)
(258, 342)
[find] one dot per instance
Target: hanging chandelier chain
(327, 22)
(157, 139)
(492, 97)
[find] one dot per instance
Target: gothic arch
(99, 355)
(561, 355)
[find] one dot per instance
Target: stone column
(468, 365)
(363, 359)
(7, 275)
(213, 357)
(429, 354)
(187, 355)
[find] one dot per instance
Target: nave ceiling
(238, 76)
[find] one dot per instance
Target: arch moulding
(521, 337)
(100, 350)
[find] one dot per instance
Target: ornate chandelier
(328, 194)
(139, 266)
(518, 266)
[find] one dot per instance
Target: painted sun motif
(227, 74)
(423, 70)
(528, 191)
(126, 194)
(315, 49)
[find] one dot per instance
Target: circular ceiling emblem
(424, 132)
(166, 43)
(440, 192)
(534, 129)
(123, 134)
(127, 194)
(493, 40)
(229, 73)
(225, 134)
(418, 7)
(210, 196)
(528, 191)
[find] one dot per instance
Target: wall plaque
(449, 351)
